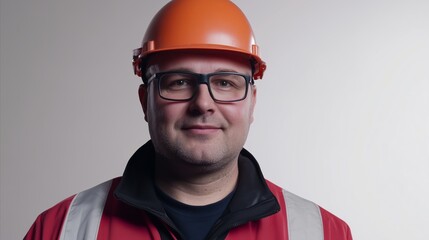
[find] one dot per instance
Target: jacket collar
(251, 201)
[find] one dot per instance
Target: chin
(209, 158)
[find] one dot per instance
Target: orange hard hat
(217, 25)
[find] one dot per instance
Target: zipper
(163, 219)
(236, 219)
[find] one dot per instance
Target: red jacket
(128, 208)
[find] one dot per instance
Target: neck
(196, 185)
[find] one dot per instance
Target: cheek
(241, 114)
(164, 114)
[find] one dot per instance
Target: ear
(143, 99)
(253, 101)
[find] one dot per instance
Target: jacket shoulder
(49, 223)
(304, 214)
(52, 223)
(334, 227)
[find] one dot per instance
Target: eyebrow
(226, 70)
(184, 69)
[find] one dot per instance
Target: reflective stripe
(84, 215)
(303, 217)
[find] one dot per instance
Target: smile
(201, 129)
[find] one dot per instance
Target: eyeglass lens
(222, 86)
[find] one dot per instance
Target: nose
(202, 101)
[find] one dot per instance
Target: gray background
(342, 116)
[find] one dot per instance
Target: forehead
(200, 62)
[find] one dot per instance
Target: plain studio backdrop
(342, 116)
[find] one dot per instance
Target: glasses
(182, 86)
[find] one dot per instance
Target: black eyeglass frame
(202, 79)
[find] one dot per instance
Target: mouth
(202, 129)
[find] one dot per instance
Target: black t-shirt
(194, 222)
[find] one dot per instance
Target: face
(198, 132)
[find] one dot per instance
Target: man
(193, 180)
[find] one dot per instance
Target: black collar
(251, 201)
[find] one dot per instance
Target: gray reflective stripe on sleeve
(84, 215)
(303, 217)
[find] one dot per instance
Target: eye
(224, 83)
(227, 82)
(177, 82)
